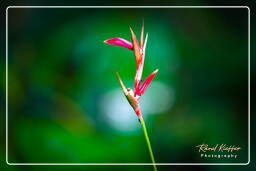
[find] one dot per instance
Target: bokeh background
(65, 104)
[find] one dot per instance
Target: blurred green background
(65, 104)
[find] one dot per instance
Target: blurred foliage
(62, 85)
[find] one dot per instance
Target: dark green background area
(62, 85)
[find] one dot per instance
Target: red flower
(119, 42)
(139, 53)
(133, 98)
(147, 82)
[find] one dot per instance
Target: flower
(119, 42)
(133, 97)
(139, 49)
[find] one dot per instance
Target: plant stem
(148, 142)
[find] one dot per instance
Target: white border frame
(127, 7)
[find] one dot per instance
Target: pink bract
(119, 42)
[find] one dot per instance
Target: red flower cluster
(139, 53)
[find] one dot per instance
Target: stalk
(148, 142)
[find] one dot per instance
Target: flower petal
(122, 84)
(142, 35)
(136, 49)
(119, 42)
(147, 82)
(145, 44)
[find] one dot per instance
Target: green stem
(148, 142)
